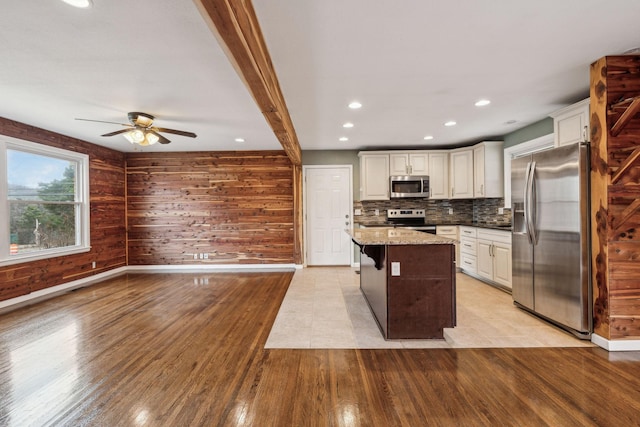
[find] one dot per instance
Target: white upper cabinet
(374, 176)
(439, 175)
(461, 173)
(488, 163)
(409, 163)
(571, 124)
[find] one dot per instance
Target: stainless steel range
(410, 218)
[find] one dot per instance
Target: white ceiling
(413, 64)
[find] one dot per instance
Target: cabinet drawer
(494, 235)
(468, 263)
(447, 230)
(468, 231)
(468, 246)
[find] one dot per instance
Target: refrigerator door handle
(527, 221)
(533, 200)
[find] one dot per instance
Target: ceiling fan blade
(177, 132)
(161, 139)
(102, 121)
(118, 132)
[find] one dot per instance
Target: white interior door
(328, 213)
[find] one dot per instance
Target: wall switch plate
(377, 212)
(93, 264)
(358, 212)
(450, 211)
(395, 268)
(501, 211)
(206, 255)
(195, 256)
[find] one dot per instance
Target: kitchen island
(408, 279)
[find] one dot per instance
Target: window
(45, 201)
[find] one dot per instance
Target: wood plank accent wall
(237, 207)
(107, 204)
(615, 191)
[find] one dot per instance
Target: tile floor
(324, 308)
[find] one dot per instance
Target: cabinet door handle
(453, 192)
(585, 134)
(482, 189)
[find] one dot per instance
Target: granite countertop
(396, 236)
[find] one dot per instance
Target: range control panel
(405, 213)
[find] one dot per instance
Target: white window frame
(82, 182)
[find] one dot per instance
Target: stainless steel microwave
(402, 186)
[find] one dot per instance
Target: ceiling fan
(140, 130)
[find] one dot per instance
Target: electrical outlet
(201, 256)
(358, 212)
(93, 264)
(377, 212)
(501, 211)
(395, 268)
(195, 256)
(206, 255)
(450, 211)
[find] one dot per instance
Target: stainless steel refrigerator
(551, 243)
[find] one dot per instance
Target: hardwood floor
(188, 350)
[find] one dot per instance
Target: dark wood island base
(410, 288)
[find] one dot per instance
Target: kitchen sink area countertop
(388, 235)
(493, 226)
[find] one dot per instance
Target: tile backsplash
(437, 211)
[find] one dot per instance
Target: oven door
(431, 229)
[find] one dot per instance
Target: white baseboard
(43, 294)
(197, 268)
(53, 291)
(355, 264)
(615, 345)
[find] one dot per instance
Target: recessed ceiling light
(347, 125)
(482, 102)
(428, 138)
(78, 3)
(344, 139)
(355, 105)
(450, 123)
(239, 140)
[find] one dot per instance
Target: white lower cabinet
(494, 256)
(468, 249)
(450, 231)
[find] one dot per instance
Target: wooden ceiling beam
(236, 26)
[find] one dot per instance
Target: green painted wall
(527, 133)
(336, 157)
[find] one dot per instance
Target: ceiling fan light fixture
(135, 136)
(151, 138)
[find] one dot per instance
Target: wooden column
(615, 195)
(298, 256)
